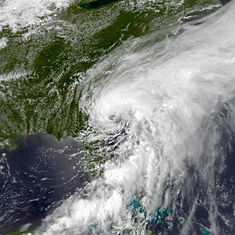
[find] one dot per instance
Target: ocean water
(117, 117)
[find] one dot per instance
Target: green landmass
(44, 66)
(19, 233)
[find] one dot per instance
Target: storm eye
(112, 118)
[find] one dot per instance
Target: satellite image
(117, 117)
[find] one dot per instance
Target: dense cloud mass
(140, 96)
(175, 102)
